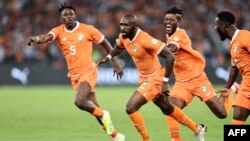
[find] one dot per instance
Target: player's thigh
(163, 102)
(92, 98)
(135, 102)
(83, 91)
(216, 107)
(240, 113)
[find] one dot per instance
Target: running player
(153, 77)
(190, 77)
(240, 57)
(75, 40)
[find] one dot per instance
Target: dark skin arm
(172, 48)
(40, 39)
(114, 52)
(232, 77)
(166, 54)
(117, 69)
(224, 92)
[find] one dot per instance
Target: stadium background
(40, 111)
(20, 19)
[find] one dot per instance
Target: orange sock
(139, 124)
(97, 112)
(229, 102)
(174, 129)
(114, 133)
(237, 122)
(181, 117)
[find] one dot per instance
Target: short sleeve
(96, 35)
(179, 38)
(246, 41)
(54, 32)
(151, 43)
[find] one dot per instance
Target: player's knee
(167, 109)
(131, 108)
(81, 104)
(222, 115)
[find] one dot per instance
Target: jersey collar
(235, 34)
(137, 32)
(70, 31)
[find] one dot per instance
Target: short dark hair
(65, 6)
(226, 16)
(176, 11)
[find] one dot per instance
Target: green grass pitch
(47, 113)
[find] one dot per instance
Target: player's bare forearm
(172, 47)
(115, 61)
(232, 76)
(116, 51)
(107, 46)
(111, 51)
(169, 65)
(43, 39)
(39, 39)
(165, 53)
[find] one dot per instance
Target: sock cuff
(97, 112)
(237, 122)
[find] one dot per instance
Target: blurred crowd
(20, 19)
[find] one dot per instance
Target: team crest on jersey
(64, 39)
(146, 83)
(235, 48)
(80, 36)
(204, 88)
(176, 38)
(154, 41)
(135, 48)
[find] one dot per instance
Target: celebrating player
(153, 77)
(75, 41)
(240, 57)
(190, 77)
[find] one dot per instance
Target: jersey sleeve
(151, 43)
(179, 38)
(96, 35)
(246, 41)
(176, 40)
(54, 32)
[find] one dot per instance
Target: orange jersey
(144, 50)
(76, 45)
(240, 52)
(240, 56)
(189, 63)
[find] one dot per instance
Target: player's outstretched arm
(117, 67)
(40, 39)
(114, 52)
(224, 92)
